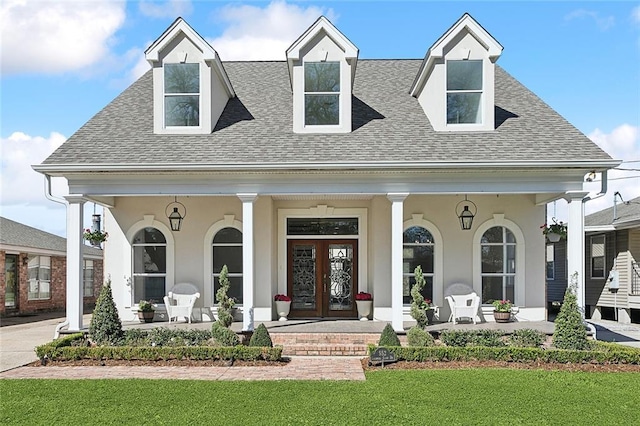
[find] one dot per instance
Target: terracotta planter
(502, 316)
(283, 308)
(146, 316)
(364, 309)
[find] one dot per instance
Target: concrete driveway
(17, 342)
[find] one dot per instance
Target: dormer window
(464, 92)
(321, 93)
(182, 95)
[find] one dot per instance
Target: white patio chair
(180, 300)
(463, 302)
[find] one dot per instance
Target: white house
(325, 175)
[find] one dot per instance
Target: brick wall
(58, 287)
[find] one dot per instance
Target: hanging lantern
(466, 210)
(175, 217)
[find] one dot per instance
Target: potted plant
(502, 310)
(145, 311)
(96, 237)
(364, 302)
(555, 231)
(283, 305)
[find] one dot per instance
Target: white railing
(635, 278)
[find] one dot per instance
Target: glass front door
(322, 278)
(11, 281)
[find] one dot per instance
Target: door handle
(324, 281)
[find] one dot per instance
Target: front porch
(344, 337)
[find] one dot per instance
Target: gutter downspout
(603, 190)
(47, 193)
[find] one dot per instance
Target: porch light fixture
(465, 214)
(175, 217)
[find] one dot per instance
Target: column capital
(397, 196)
(75, 199)
(247, 198)
(575, 195)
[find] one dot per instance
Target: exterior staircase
(325, 344)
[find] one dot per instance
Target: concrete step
(326, 344)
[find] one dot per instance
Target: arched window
(418, 249)
(227, 250)
(498, 257)
(149, 265)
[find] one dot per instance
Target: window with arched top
(227, 250)
(417, 249)
(149, 247)
(498, 264)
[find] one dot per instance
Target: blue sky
(63, 61)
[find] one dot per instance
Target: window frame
(215, 275)
(134, 274)
(166, 95)
(39, 280)
(337, 93)
(410, 274)
(552, 262)
(480, 91)
(86, 284)
(504, 274)
(592, 257)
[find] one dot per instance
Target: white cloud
(255, 33)
(635, 15)
(49, 37)
(166, 9)
(603, 23)
(19, 183)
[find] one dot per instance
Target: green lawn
(419, 397)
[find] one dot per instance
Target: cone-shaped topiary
(261, 337)
(105, 327)
(570, 332)
(389, 337)
(418, 306)
(417, 336)
(225, 303)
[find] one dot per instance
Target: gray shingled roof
(17, 234)
(625, 213)
(388, 126)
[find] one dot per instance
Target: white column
(248, 260)
(575, 243)
(397, 220)
(75, 210)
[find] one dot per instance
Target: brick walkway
(300, 368)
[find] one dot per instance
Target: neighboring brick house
(33, 270)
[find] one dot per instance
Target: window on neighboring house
(550, 262)
(464, 92)
(181, 95)
(87, 278)
(597, 256)
(39, 277)
(149, 265)
(227, 250)
(417, 249)
(498, 251)
(321, 93)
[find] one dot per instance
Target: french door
(322, 278)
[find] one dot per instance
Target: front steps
(325, 344)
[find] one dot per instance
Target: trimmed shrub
(225, 303)
(458, 338)
(570, 332)
(489, 338)
(418, 311)
(416, 336)
(224, 336)
(389, 337)
(163, 336)
(105, 327)
(527, 337)
(261, 337)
